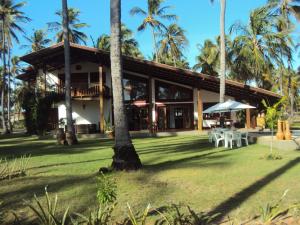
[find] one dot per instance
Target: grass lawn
(183, 169)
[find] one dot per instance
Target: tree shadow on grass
(233, 202)
(40, 148)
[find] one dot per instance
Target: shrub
(13, 168)
(136, 218)
(272, 156)
(273, 212)
(48, 215)
(106, 190)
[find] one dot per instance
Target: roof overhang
(53, 58)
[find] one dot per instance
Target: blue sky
(199, 18)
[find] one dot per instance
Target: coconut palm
(130, 46)
(151, 18)
(75, 25)
(11, 16)
(222, 50)
(125, 156)
(71, 138)
(37, 41)
(260, 46)
(173, 42)
(207, 60)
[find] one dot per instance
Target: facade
(157, 97)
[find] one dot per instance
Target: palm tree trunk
(4, 124)
(125, 156)
(155, 45)
(8, 93)
(222, 51)
(70, 135)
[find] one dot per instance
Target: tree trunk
(70, 127)
(125, 156)
(155, 45)
(222, 51)
(8, 93)
(3, 118)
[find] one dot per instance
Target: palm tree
(125, 156)
(71, 138)
(130, 46)
(207, 60)
(37, 41)
(152, 15)
(75, 25)
(173, 42)
(11, 16)
(222, 50)
(260, 46)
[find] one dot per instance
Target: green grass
(183, 169)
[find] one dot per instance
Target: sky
(199, 18)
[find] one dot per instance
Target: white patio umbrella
(228, 106)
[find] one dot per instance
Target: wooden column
(248, 118)
(101, 99)
(200, 111)
(45, 79)
(151, 104)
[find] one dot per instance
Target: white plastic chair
(244, 136)
(235, 138)
(218, 137)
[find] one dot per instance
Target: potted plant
(108, 128)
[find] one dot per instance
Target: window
(135, 88)
(170, 92)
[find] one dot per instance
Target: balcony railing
(84, 92)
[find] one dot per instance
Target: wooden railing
(84, 92)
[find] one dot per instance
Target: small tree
(272, 115)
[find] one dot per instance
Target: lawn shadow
(234, 201)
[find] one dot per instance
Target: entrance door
(178, 117)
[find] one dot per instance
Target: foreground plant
(274, 212)
(14, 168)
(47, 215)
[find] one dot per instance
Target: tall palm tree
(173, 42)
(68, 99)
(125, 156)
(130, 46)
(222, 50)
(75, 25)
(10, 16)
(37, 41)
(152, 15)
(260, 45)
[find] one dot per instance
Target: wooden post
(101, 99)
(151, 105)
(200, 111)
(248, 118)
(45, 79)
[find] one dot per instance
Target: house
(158, 97)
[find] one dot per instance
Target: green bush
(106, 190)
(14, 167)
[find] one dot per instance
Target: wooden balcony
(84, 92)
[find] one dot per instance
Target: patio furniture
(244, 136)
(232, 137)
(218, 137)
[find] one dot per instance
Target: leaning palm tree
(70, 134)
(125, 156)
(222, 50)
(173, 42)
(37, 41)
(75, 35)
(10, 16)
(152, 16)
